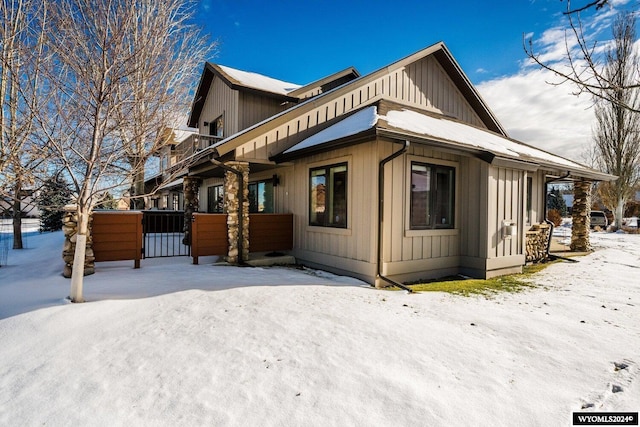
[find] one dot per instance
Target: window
(216, 127)
(165, 201)
(215, 199)
(175, 200)
(432, 196)
(328, 194)
(261, 197)
(164, 163)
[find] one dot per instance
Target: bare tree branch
(584, 66)
(121, 71)
(617, 131)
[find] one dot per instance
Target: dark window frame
(216, 127)
(439, 209)
(336, 196)
(215, 192)
(254, 197)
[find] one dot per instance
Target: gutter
(240, 205)
(382, 163)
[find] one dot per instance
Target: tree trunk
(77, 274)
(619, 214)
(138, 189)
(17, 215)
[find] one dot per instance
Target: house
(28, 204)
(398, 175)
(165, 185)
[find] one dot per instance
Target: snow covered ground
(177, 344)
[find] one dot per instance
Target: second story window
(216, 127)
(164, 163)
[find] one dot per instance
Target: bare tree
(20, 55)
(617, 131)
(159, 88)
(104, 67)
(585, 58)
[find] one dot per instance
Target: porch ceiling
(209, 170)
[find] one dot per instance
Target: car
(631, 222)
(599, 218)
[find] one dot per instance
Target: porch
(127, 235)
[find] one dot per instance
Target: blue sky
(304, 40)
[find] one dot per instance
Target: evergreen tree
(54, 196)
(556, 201)
(108, 202)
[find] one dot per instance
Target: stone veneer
(191, 186)
(70, 229)
(581, 215)
(231, 201)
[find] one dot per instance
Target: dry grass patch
(486, 287)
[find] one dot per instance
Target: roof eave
(347, 71)
(200, 96)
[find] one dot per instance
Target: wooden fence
(117, 236)
(209, 235)
(267, 233)
(270, 232)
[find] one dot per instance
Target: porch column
(191, 186)
(234, 201)
(581, 215)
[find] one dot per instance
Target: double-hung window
(328, 196)
(432, 196)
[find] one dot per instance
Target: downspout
(240, 206)
(382, 163)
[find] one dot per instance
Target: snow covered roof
(259, 81)
(180, 134)
(444, 129)
(491, 144)
(439, 129)
(361, 121)
(237, 79)
(438, 50)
